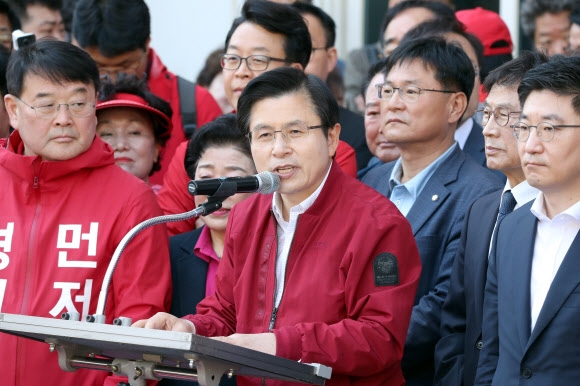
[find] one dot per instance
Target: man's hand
(265, 342)
(165, 321)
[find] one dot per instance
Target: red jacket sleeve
(346, 158)
(206, 107)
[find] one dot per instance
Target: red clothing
(331, 311)
(59, 226)
(163, 83)
(174, 197)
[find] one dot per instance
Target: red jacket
(163, 83)
(175, 198)
(332, 311)
(60, 223)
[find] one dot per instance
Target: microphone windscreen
(269, 182)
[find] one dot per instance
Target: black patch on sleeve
(386, 269)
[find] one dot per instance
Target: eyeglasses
(291, 134)
(76, 109)
(544, 130)
(130, 67)
(501, 115)
(254, 62)
(409, 94)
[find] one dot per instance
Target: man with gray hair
(547, 23)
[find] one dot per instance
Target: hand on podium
(165, 321)
(265, 342)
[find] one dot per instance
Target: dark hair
(327, 23)
(278, 19)
(13, 19)
(510, 74)
(531, 9)
(211, 68)
(221, 132)
(575, 16)
(114, 26)
(4, 56)
(373, 70)
(560, 75)
(53, 60)
(284, 81)
(451, 65)
(20, 7)
(440, 10)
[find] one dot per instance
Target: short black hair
(373, 70)
(211, 68)
(114, 26)
(4, 56)
(285, 81)
(53, 60)
(440, 10)
(560, 76)
(278, 19)
(20, 7)
(6, 9)
(510, 74)
(328, 24)
(220, 132)
(531, 9)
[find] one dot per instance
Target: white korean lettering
(69, 237)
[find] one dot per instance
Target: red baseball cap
(135, 101)
(489, 28)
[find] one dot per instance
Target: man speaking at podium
(65, 206)
(323, 271)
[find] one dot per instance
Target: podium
(143, 354)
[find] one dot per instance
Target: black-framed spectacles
(294, 132)
(409, 94)
(254, 62)
(501, 115)
(544, 130)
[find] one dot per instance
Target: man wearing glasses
(532, 298)
(457, 353)
(65, 208)
(426, 91)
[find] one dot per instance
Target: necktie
(508, 203)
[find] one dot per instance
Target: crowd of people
(424, 231)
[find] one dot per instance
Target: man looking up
(428, 82)
(457, 353)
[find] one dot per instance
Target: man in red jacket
(323, 271)
(116, 33)
(65, 208)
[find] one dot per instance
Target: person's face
(501, 146)
(322, 60)
(468, 49)
(251, 39)
(429, 121)
(552, 32)
(131, 62)
(376, 141)
(575, 38)
(5, 31)
(43, 22)
(223, 161)
(552, 167)
(301, 165)
(130, 133)
(217, 91)
(54, 139)
(401, 24)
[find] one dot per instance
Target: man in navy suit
(457, 353)
(532, 296)
(428, 82)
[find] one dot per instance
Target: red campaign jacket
(332, 312)
(60, 223)
(175, 198)
(163, 83)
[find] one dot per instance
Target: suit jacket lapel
(566, 280)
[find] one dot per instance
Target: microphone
(265, 183)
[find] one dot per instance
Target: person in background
(116, 33)
(211, 77)
(383, 151)
(457, 352)
(575, 31)
(8, 23)
(136, 124)
(40, 17)
(547, 23)
(66, 207)
(5, 128)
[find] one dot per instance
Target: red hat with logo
(489, 27)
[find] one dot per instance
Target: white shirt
(553, 239)
(463, 131)
(285, 234)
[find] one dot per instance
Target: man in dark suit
(457, 352)
(322, 61)
(427, 85)
(532, 297)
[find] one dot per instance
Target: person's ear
(296, 65)
(333, 136)
(11, 105)
(457, 105)
(332, 55)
